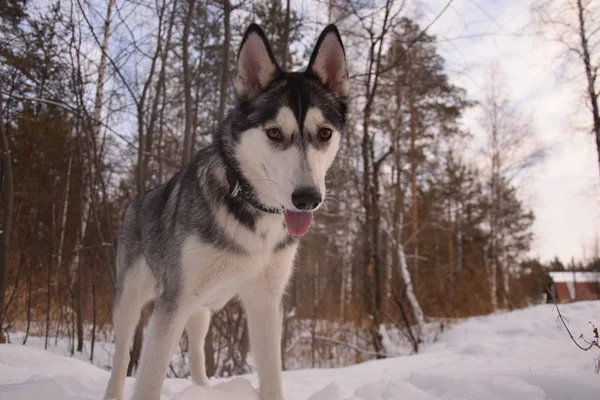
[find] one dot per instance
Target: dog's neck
(239, 186)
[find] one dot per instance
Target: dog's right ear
(328, 62)
(256, 66)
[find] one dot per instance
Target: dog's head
(286, 129)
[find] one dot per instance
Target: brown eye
(274, 134)
(325, 134)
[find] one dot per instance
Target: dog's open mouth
(297, 223)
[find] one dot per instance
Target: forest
(103, 100)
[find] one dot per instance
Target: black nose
(306, 199)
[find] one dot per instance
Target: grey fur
(157, 225)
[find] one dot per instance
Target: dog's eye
(274, 134)
(325, 134)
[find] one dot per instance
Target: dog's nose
(306, 199)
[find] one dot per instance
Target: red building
(572, 286)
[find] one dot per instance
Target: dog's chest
(212, 276)
(256, 239)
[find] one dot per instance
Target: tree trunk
(188, 139)
(413, 186)
(493, 281)
(29, 288)
(63, 217)
(492, 257)
(160, 89)
(590, 75)
(459, 238)
(48, 303)
(209, 353)
(506, 287)
(286, 44)
(94, 312)
(405, 274)
(494, 207)
(373, 281)
(79, 304)
(410, 293)
(102, 69)
(225, 66)
(7, 199)
(88, 186)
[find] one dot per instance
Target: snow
(520, 355)
(235, 389)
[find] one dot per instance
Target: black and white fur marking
(216, 229)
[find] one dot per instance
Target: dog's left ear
(256, 65)
(328, 62)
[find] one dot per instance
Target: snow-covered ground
(522, 355)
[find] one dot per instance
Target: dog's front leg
(264, 321)
(163, 332)
(262, 301)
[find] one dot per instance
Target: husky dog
(228, 223)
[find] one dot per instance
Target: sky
(564, 190)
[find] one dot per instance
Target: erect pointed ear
(256, 66)
(328, 61)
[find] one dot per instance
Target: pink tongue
(297, 222)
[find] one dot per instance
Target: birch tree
(88, 189)
(7, 201)
(511, 150)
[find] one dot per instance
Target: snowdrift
(523, 355)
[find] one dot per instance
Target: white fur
(274, 173)
(142, 287)
(211, 277)
(197, 328)
(320, 161)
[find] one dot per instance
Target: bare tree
(7, 199)
(188, 136)
(591, 71)
(286, 37)
(574, 23)
(371, 169)
(88, 146)
(511, 150)
(159, 95)
(226, 50)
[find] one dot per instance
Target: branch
(395, 62)
(117, 70)
(593, 343)
(382, 159)
(340, 343)
(76, 112)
